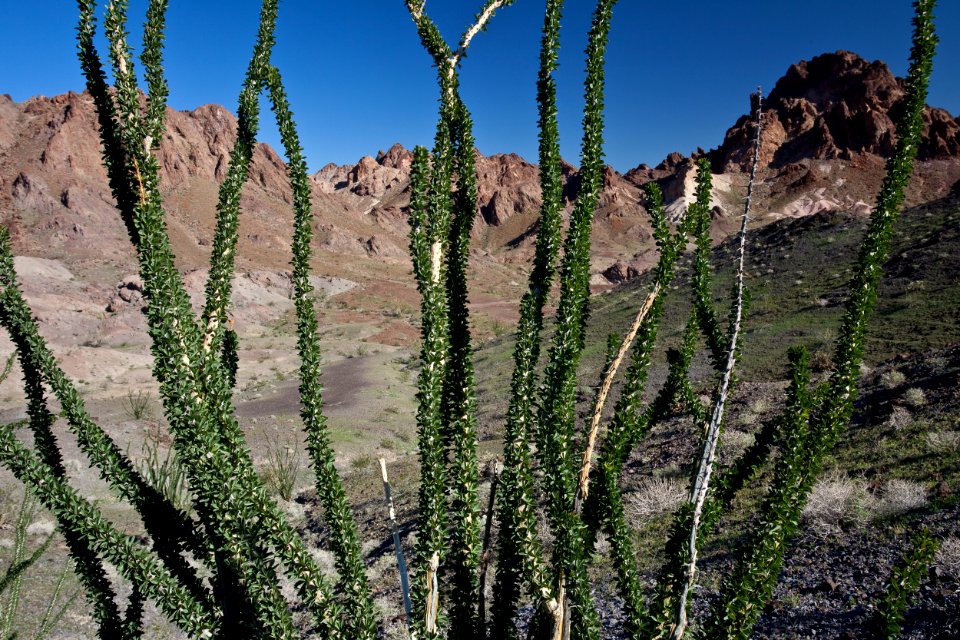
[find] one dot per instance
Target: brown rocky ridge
(828, 126)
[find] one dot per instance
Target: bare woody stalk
(583, 479)
(397, 547)
(632, 419)
(701, 484)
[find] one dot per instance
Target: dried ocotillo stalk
(604, 507)
(711, 434)
(397, 547)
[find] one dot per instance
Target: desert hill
(828, 126)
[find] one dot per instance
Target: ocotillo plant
(904, 580)
(221, 569)
(518, 556)
(440, 225)
(690, 519)
(240, 535)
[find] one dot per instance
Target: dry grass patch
(915, 397)
(948, 557)
(892, 378)
(943, 441)
(899, 497)
(656, 496)
(836, 501)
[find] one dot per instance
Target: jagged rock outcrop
(507, 185)
(620, 272)
(834, 106)
(829, 124)
(129, 293)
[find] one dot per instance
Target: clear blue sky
(679, 73)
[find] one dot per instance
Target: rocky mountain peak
(829, 123)
(842, 76)
(396, 157)
(834, 106)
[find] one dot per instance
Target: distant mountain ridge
(828, 123)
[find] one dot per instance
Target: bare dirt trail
(342, 384)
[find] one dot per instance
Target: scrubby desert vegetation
(530, 517)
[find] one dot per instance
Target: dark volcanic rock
(620, 272)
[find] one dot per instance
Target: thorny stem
(477, 27)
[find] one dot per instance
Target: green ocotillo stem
(344, 539)
(604, 507)
(434, 436)
(289, 548)
(425, 249)
(171, 530)
(224, 246)
(556, 415)
(703, 303)
(444, 222)
(134, 562)
(176, 334)
(903, 584)
(112, 156)
(89, 568)
(459, 392)
(226, 501)
(557, 397)
(519, 555)
(154, 33)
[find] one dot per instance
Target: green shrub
(137, 406)
(282, 468)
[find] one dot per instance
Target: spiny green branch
(519, 557)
